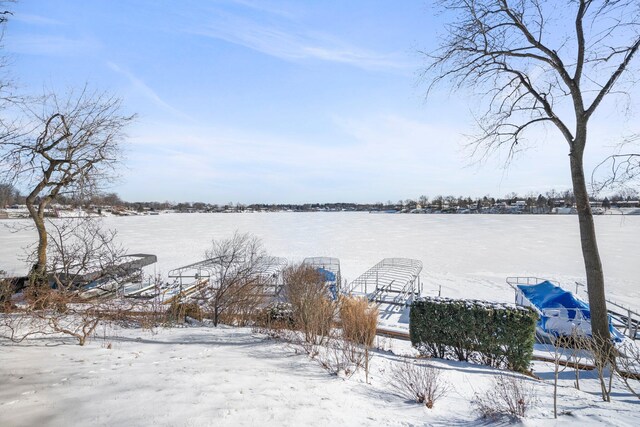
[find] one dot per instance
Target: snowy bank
(202, 376)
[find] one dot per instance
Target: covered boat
(561, 313)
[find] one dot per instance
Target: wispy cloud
(31, 44)
(374, 157)
(263, 6)
(144, 89)
(394, 146)
(285, 41)
(35, 19)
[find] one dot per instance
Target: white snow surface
(223, 376)
(464, 256)
(205, 376)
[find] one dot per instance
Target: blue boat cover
(546, 295)
(329, 277)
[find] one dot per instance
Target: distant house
(628, 203)
(563, 210)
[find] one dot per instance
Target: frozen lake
(466, 255)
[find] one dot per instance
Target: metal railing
(625, 316)
(394, 280)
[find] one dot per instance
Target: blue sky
(277, 101)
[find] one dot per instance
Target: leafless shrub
(338, 355)
(603, 354)
(247, 301)
(509, 395)
(63, 313)
(307, 320)
(419, 382)
(313, 311)
(628, 368)
(80, 252)
(6, 293)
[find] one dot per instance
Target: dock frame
(394, 281)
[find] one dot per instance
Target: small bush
(275, 320)
(313, 312)
(6, 292)
(243, 305)
(509, 395)
(278, 312)
(337, 355)
(419, 382)
(628, 368)
(359, 320)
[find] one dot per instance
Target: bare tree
(64, 146)
(85, 264)
(81, 250)
(543, 62)
(8, 195)
(237, 281)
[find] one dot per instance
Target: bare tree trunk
(591, 255)
(39, 270)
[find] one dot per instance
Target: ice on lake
(463, 255)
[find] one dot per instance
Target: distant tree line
(9, 196)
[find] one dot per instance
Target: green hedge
(499, 335)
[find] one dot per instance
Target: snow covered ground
(225, 376)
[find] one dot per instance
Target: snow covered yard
(232, 376)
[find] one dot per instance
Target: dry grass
(179, 311)
(359, 320)
(313, 312)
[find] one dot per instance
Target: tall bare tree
(64, 146)
(237, 266)
(542, 62)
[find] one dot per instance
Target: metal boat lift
(111, 280)
(330, 267)
(193, 277)
(624, 318)
(394, 281)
